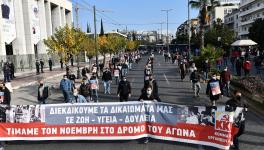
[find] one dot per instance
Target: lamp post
(167, 37)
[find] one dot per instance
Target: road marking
(166, 79)
(132, 81)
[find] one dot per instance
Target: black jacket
(195, 77)
(124, 88)
(152, 97)
(107, 76)
(210, 92)
(45, 93)
(154, 85)
(7, 96)
(85, 89)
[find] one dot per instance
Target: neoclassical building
(25, 23)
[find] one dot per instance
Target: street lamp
(167, 38)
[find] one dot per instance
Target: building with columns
(25, 23)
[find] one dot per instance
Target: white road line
(132, 81)
(166, 79)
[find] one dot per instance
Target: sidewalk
(30, 78)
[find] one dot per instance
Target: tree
(130, 46)
(102, 43)
(88, 30)
(204, 6)
(88, 45)
(226, 35)
(256, 32)
(66, 41)
(102, 29)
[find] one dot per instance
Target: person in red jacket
(247, 67)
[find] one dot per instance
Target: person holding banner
(77, 98)
(233, 105)
(214, 90)
(5, 95)
(94, 87)
(124, 90)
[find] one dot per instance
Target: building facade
(25, 23)
(250, 10)
(232, 21)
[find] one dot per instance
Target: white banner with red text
(212, 126)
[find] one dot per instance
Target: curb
(35, 82)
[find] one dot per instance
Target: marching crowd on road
(117, 69)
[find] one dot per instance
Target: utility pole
(95, 40)
(167, 38)
(77, 26)
(189, 29)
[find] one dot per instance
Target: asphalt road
(171, 89)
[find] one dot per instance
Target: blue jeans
(107, 88)
(67, 96)
(6, 77)
(94, 94)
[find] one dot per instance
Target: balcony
(242, 23)
(245, 3)
(252, 10)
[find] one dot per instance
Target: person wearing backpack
(195, 79)
(85, 90)
(247, 67)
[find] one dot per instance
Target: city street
(171, 90)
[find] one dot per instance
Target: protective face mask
(225, 69)
(75, 94)
(124, 79)
(149, 92)
(41, 84)
(214, 78)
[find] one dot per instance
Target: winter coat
(85, 89)
(144, 96)
(45, 93)
(78, 99)
(225, 76)
(195, 77)
(66, 85)
(107, 76)
(124, 88)
(7, 96)
(214, 89)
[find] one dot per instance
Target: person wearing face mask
(77, 98)
(214, 90)
(43, 92)
(225, 78)
(206, 68)
(5, 97)
(147, 94)
(232, 105)
(107, 80)
(152, 82)
(124, 90)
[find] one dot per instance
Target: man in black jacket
(43, 93)
(85, 90)
(107, 79)
(124, 90)
(232, 105)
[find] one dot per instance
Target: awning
(244, 43)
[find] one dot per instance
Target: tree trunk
(201, 36)
(104, 59)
